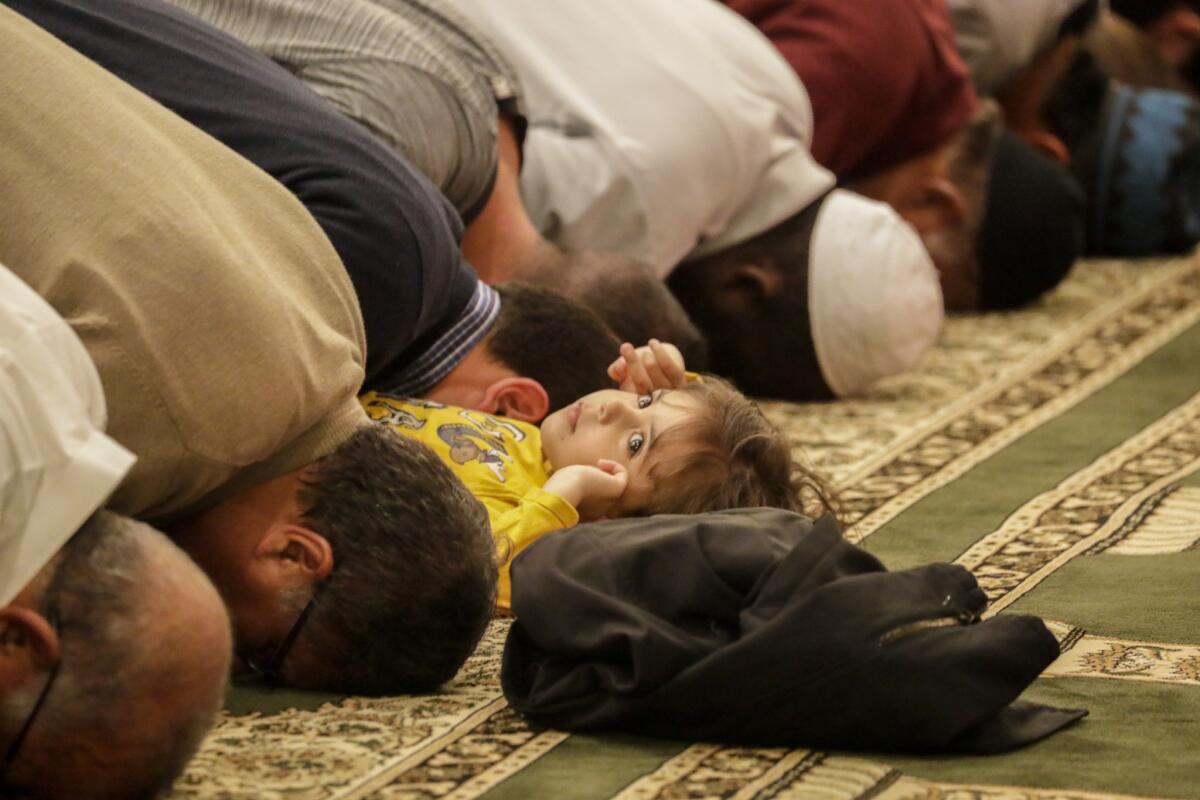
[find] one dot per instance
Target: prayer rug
(1055, 451)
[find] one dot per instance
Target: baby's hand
(591, 490)
(644, 369)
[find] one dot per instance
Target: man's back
(885, 85)
(393, 231)
(199, 285)
(419, 78)
(655, 128)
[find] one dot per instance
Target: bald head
(144, 647)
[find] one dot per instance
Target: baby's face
(619, 426)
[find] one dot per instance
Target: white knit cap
(874, 299)
(56, 464)
(999, 38)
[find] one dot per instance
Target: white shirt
(660, 129)
(56, 464)
(999, 38)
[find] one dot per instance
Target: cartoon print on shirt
(419, 403)
(493, 425)
(467, 443)
(388, 414)
(480, 438)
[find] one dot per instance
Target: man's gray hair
(969, 169)
(87, 740)
(973, 149)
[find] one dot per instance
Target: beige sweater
(226, 332)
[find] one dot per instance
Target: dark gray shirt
(418, 77)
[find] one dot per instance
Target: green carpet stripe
(587, 767)
(1139, 740)
(1126, 597)
(251, 698)
(943, 524)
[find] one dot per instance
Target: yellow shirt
(500, 460)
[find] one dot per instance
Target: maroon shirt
(885, 78)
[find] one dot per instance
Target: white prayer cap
(874, 298)
(999, 38)
(56, 464)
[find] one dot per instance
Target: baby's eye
(635, 443)
(645, 400)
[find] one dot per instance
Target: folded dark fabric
(761, 626)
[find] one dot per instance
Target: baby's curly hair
(730, 456)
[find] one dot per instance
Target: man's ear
(28, 645)
(1048, 144)
(934, 204)
(293, 555)
(746, 287)
(517, 397)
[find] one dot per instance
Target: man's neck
(466, 385)
(502, 243)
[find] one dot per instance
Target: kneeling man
(230, 345)
(103, 691)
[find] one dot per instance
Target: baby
(660, 444)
